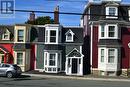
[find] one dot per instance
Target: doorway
(74, 65)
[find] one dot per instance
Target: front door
(74, 65)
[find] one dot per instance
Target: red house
(107, 28)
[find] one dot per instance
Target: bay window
(51, 36)
(108, 31)
(52, 62)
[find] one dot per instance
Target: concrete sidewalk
(79, 78)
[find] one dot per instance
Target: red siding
(33, 57)
(8, 47)
(125, 50)
(95, 48)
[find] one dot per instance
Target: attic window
(112, 12)
(6, 35)
(69, 36)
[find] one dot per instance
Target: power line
(64, 13)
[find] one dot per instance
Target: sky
(74, 6)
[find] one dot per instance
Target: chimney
(32, 16)
(56, 15)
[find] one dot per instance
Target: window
(45, 58)
(69, 36)
(111, 30)
(52, 60)
(20, 58)
(6, 35)
(51, 36)
(108, 31)
(111, 55)
(102, 55)
(102, 31)
(20, 35)
(111, 12)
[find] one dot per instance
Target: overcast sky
(76, 6)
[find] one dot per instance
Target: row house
(14, 45)
(107, 28)
(57, 49)
(50, 48)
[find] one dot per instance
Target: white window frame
(102, 55)
(47, 36)
(23, 60)
(111, 16)
(106, 55)
(24, 35)
(112, 55)
(6, 33)
(72, 34)
(106, 31)
(57, 65)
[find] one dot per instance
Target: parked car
(10, 70)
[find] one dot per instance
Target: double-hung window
(111, 55)
(20, 36)
(102, 55)
(20, 58)
(52, 59)
(51, 36)
(111, 31)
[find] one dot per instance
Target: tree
(41, 20)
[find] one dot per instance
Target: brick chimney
(56, 15)
(32, 17)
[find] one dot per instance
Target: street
(27, 81)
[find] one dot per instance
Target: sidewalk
(85, 77)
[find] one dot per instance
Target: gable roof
(74, 53)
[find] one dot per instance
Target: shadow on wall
(86, 53)
(34, 34)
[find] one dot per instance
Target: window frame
(48, 36)
(23, 55)
(108, 12)
(72, 36)
(19, 36)
(6, 33)
(110, 59)
(107, 32)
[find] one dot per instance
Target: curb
(78, 78)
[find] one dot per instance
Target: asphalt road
(26, 81)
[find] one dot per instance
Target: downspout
(91, 49)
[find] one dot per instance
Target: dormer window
(6, 35)
(111, 12)
(69, 36)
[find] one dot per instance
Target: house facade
(50, 48)
(14, 45)
(107, 28)
(58, 49)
